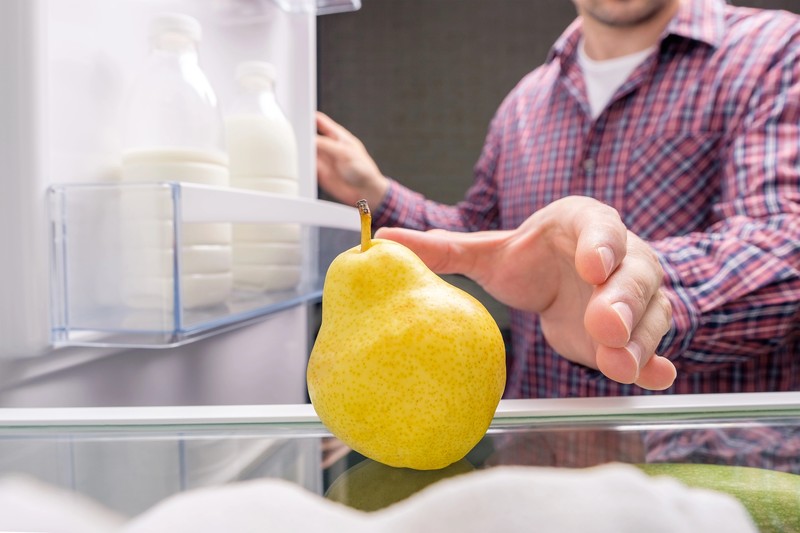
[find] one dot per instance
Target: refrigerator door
(68, 66)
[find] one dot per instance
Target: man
(636, 203)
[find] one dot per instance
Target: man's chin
(623, 13)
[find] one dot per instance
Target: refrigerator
(129, 406)
(69, 338)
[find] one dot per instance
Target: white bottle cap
(176, 24)
(256, 69)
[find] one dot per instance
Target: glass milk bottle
(263, 157)
(173, 131)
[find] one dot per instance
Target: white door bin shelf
(154, 265)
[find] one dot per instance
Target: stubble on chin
(622, 13)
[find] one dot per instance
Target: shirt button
(588, 165)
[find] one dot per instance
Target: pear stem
(366, 225)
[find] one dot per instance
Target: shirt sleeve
(735, 288)
(478, 211)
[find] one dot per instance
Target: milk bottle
(173, 132)
(263, 157)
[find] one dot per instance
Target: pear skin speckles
(406, 369)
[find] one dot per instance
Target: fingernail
(636, 352)
(625, 315)
(607, 257)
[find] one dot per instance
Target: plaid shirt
(699, 151)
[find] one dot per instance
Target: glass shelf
(129, 459)
(155, 265)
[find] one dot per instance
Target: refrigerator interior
(66, 65)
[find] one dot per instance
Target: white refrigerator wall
(65, 67)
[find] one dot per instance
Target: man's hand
(344, 168)
(595, 285)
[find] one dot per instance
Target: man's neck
(603, 41)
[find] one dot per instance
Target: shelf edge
(305, 414)
(202, 203)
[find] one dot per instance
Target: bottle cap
(256, 69)
(177, 24)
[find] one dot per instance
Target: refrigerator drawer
(163, 264)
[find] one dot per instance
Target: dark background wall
(418, 80)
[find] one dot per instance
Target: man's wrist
(376, 192)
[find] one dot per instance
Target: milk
(173, 132)
(263, 157)
(148, 232)
(261, 146)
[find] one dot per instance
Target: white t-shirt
(603, 78)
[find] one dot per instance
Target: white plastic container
(263, 157)
(173, 131)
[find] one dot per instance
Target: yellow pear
(406, 369)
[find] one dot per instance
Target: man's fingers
(620, 365)
(325, 125)
(447, 252)
(627, 363)
(329, 128)
(583, 228)
(658, 374)
(559, 259)
(329, 148)
(618, 305)
(601, 242)
(433, 247)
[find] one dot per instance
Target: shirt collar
(699, 20)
